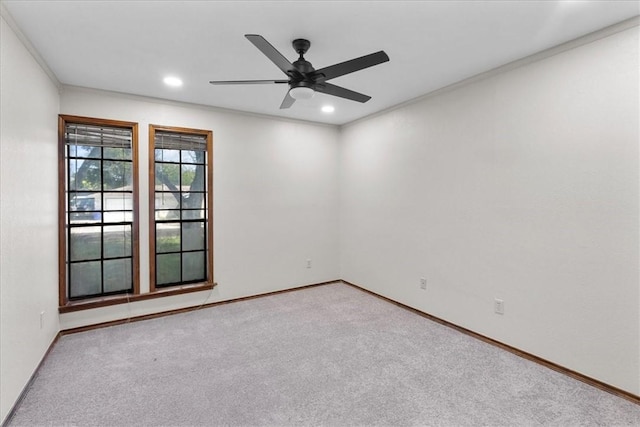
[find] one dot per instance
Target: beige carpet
(325, 356)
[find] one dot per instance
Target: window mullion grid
(82, 281)
(68, 221)
(205, 206)
(181, 219)
(101, 213)
(181, 216)
(182, 211)
(155, 239)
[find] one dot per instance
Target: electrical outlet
(498, 306)
(423, 283)
(308, 263)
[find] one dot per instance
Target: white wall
(28, 215)
(275, 198)
(522, 186)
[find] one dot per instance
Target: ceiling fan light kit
(303, 79)
(301, 92)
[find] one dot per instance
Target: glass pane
(84, 217)
(192, 236)
(167, 269)
(189, 156)
(71, 170)
(168, 155)
(167, 200)
(193, 200)
(193, 214)
(117, 175)
(85, 279)
(117, 202)
(84, 243)
(84, 151)
(167, 237)
(193, 176)
(118, 216)
(193, 266)
(117, 241)
(81, 202)
(168, 175)
(84, 175)
(117, 275)
(117, 153)
(167, 215)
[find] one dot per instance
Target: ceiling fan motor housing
(303, 65)
(302, 83)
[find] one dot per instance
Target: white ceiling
(129, 46)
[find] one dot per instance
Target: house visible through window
(181, 245)
(98, 232)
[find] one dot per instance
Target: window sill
(89, 304)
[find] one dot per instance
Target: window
(180, 206)
(98, 208)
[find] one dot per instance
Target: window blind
(179, 141)
(97, 136)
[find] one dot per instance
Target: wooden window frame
(63, 298)
(209, 283)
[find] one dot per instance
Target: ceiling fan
(303, 79)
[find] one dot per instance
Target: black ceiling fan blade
(272, 53)
(287, 101)
(246, 82)
(334, 90)
(337, 70)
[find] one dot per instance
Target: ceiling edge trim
(6, 15)
(538, 56)
(156, 100)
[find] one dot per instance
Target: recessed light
(328, 109)
(172, 81)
